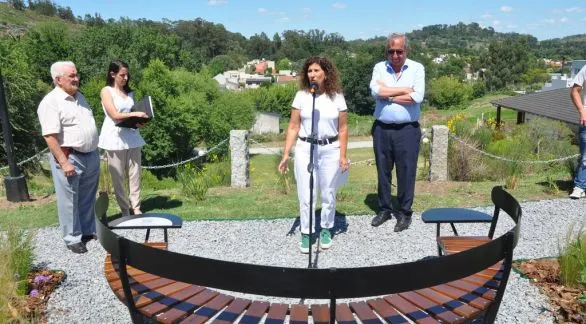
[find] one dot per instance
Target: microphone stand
(310, 168)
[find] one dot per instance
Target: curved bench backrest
(503, 200)
(306, 283)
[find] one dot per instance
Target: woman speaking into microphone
(318, 103)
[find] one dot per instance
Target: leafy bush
(447, 92)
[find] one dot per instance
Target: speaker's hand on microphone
(284, 165)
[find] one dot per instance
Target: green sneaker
(325, 238)
(304, 244)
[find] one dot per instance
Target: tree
(446, 92)
(283, 64)
(221, 64)
(23, 94)
(505, 62)
(17, 4)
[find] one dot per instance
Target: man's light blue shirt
(412, 76)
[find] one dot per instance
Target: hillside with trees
(175, 61)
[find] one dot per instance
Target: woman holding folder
(122, 144)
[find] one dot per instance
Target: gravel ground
(86, 297)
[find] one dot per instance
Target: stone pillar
(438, 170)
(239, 156)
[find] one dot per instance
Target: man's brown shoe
(381, 217)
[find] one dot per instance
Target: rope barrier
(511, 160)
(153, 167)
(27, 160)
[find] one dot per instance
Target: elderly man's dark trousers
(396, 145)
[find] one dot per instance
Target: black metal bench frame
(332, 283)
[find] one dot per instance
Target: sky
(353, 19)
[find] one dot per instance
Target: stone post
(239, 156)
(439, 153)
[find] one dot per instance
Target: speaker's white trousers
(326, 164)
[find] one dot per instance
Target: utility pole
(15, 184)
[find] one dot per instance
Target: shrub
(446, 92)
(193, 181)
(572, 260)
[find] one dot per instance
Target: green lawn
(265, 198)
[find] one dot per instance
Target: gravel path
(85, 297)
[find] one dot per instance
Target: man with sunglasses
(398, 86)
(69, 128)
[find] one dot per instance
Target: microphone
(313, 87)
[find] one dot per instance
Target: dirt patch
(38, 287)
(569, 302)
(35, 201)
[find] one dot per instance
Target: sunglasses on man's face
(391, 51)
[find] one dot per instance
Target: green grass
(265, 198)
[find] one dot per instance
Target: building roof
(554, 104)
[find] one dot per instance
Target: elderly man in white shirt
(69, 128)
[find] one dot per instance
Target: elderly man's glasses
(391, 51)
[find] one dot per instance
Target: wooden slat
(484, 292)
(163, 304)
(184, 308)
(299, 314)
(435, 309)
(467, 297)
(386, 311)
(320, 314)
(458, 307)
(344, 314)
(255, 312)
(364, 313)
(232, 312)
(160, 293)
(409, 310)
(277, 313)
(208, 310)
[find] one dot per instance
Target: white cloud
(283, 20)
(548, 21)
(564, 20)
(506, 9)
(486, 16)
(262, 11)
(339, 5)
(496, 22)
(306, 12)
(216, 2)
(574, 9)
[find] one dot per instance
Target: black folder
(145, 105)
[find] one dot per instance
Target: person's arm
(416, 94)
(292, 131)
(575, 93)
(55, 148)
(343, 138)
(379, 90)
(111, 110)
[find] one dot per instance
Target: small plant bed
(569, 302)
(38, 286)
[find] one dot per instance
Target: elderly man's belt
(325, 141)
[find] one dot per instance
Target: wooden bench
(164, 286)
(502, 200)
